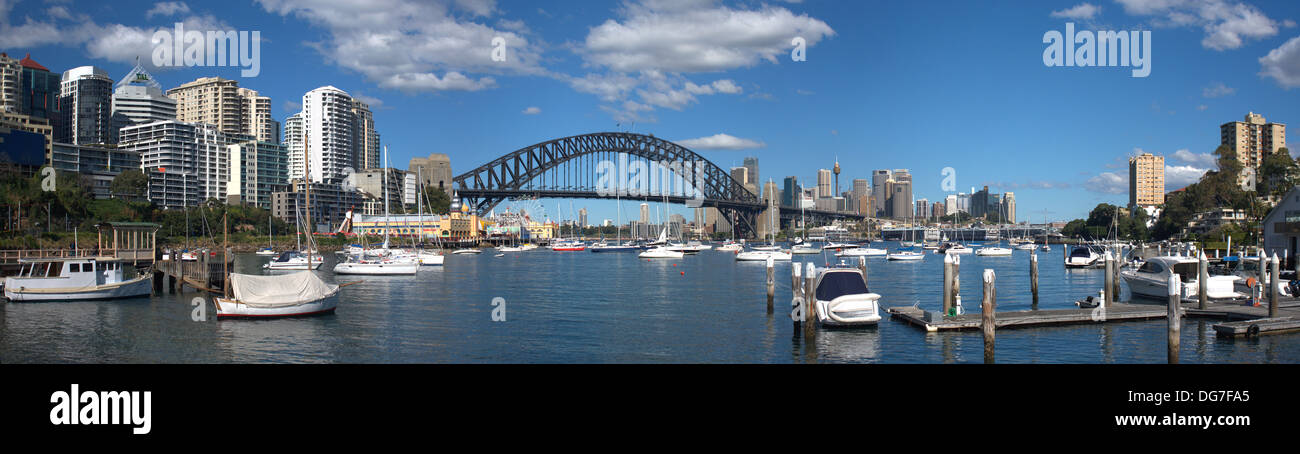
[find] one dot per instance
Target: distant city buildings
(1253, 138)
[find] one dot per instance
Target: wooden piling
(956, 280)
(810, 302)
(862, 266)
(771, 284)
(987, 306)
(1114, 278)
(1033, 277)
(796, 294)
(1275, 277)
(947, 284)
(1173, 317)
(1202, 282)
(1109, 281)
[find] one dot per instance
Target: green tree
(130, 184)
(1278, 173)
(438, 200)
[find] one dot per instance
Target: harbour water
(581, 307)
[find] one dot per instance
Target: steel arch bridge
(579, 167)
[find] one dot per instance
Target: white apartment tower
(138, 98)
(329, 131)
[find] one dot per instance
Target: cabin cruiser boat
(286, 295)
(994, 251)
(843, 299)
(1152, 279)
(510, 249)
(1026, 246)
(954, 248)
(294, 260)
(660, 252)
(762, 256)
(801, 249)
(834, 245)
(72, 279)
(906, 255)
(731, 246)
(863, 252)
(467, 251)
(569, 246)
(1084, 256)
(770, 247)
(267, 252)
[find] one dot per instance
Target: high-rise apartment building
(39, 93)
(294, 145)
(85, 107)
(10, 83)
(257, 171)
(368, 147)
(221, 102)
(950, 205)
(1253, 138)
(329, 132)
(187, 163)
(1146, 181)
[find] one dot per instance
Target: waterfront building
(85, 107)
(1146, 181)
(187, 163)
(329, 132)
(138, 98)
(1253, 138)
(454, 226)
(98, 164)
(435, 170)
(1205, 221)
(257, 171)
(1281, 227)
(330, 203)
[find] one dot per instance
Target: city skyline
(572, 70)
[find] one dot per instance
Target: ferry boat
(73, 279)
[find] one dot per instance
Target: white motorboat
(771, 247)
(377, 266)
(906, 255)
(843, 299)
(731, 247)
(267, 252)
(1083, 256)
(762, 256)
(683, 248)
(954, 248)
(800, 250)
(72, 279)
(1026, 246)
(429, 258)
(285, 295)
(466, 251)
(294, 260)
(660, 252)
(605, 247)
(1152, 280)
(863, 252)
(833, 245)
(993, 251)
(510, 249)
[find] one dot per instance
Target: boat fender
(1250, 282)
(1252, 331)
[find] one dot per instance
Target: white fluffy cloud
(1227, 24)
(1198, 159)
(534, 110)
(1178, 177)
(720, 142)
(1108, 183)
(1078, 12)
(1283, 64)
(167, 9)
(1217, 89)
(416, 46)
(113, 42)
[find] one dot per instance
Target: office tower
(85, 107)
(1009, 207)
(741, 175)
(329, 127)
(861, 187)
(582, 217)
(1146, 181)
(790, 191)
(138, 98)
(824, 189)
(10, 82)
(922, 209)
(293, 136)
(435, 170)
(950, 205)
(937, 210)
(901, 199)
(645, 213)
(368, 148)
(38, 95)
(1253, 138)
(751, 164)
(879, 181)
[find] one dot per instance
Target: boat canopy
(835, 284)
(280, 290)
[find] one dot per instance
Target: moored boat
(73, 279)
(287, 295)
(843, 299)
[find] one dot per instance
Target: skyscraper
(861, 187)
(368, 148)
(138, 98)
(824, 184)
(741, 175)
(879, 180)
(293, 136)
(39, 94)
(901, 193)
(187, 163)
(10, 74)
(85, 107)
(790, 191)
(950, 205)
(329, 130)
(751, 163)
(221, 102)
(1146, 181)
(1009, 207)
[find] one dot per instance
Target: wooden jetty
(932, 321)
(208, 273)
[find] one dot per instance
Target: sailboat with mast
(382, 261)
(269, 250)
(286, 295)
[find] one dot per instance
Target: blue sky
(916, 85)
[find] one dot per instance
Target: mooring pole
(1033, 277)
(771, 284)
(1274, 269)
(1173, 317)
(862, 266)
(810, 315)
(1202, 282)
(1109, 281)
(797, 300)
(986, 307)
(947, 285)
